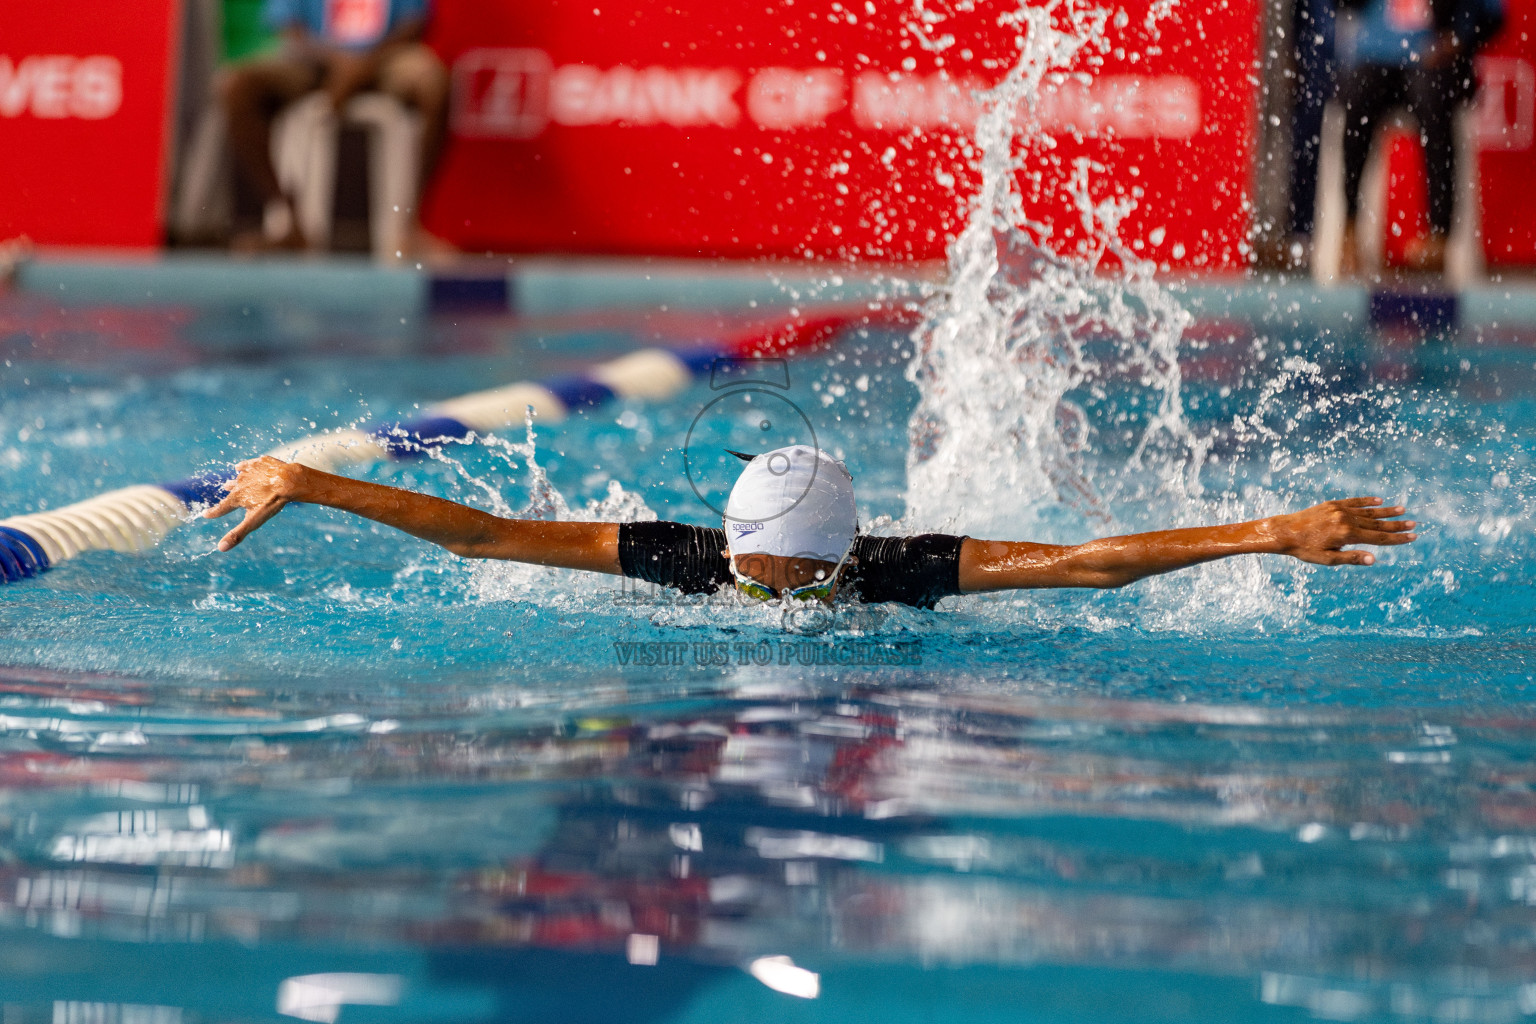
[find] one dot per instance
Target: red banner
(84, 104)
(1506, 135)
(824, 129)
(1505, 120)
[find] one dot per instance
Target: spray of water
(1051, 394)
(1052, 402)
(1015, 359)
(500, 581)
(1018, 331)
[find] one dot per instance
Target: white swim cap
(795, 501)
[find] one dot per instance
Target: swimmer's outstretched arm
(263, 486)
(1317, 534)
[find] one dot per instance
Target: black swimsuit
(911, 570)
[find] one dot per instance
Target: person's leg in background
(413, 74)
(1433, 101)
(1312, 25)
(252, 94)
(1367, 92)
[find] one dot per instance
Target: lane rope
(138, 518)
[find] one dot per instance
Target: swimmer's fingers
(1371, 522)
(1361, 531)
(1366, 530)
(1385, 512)
(223, 508)
(1337, 557)
(252, 521)
(256, 482)
(1321, 534)
(1366, 510)
(1385, 540)
(1390, 527)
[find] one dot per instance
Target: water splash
(1052, 403)
(1006, 348)
(500, 581)
(1053, 407)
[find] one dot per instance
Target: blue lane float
(139, 517)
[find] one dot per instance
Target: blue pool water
(1252, 791)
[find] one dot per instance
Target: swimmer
(790, 532)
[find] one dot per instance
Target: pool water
(461, 791)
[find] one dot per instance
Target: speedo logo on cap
(745, 528)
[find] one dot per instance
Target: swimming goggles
(817, 590)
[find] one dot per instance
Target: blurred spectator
(343, 47)
(1312, 30)
(13, 255)
(1414, 54)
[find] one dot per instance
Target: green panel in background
(245, 30)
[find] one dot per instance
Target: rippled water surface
(483, 792)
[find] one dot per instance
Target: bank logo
(1506, 105)
(516, 93)
(501, 93)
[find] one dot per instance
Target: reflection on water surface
(762, 845)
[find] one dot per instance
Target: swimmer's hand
(262, 487)
(1318, 534)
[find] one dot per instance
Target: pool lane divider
(138, 518)
(548, 287)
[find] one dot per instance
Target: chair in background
(1464, 248)
(305, 140)
(394, 146)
